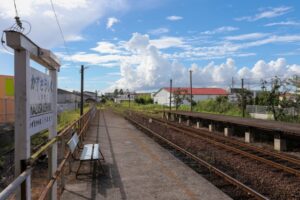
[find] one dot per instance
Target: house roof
(199, 91)
(61, 91)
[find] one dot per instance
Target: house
(125, 97)
(90, 96)
(235, 92)
(162, 96)
(64, 96)
(7, 107)
(87, 96)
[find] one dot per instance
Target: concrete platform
(136, 168)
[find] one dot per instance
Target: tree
(103, 99)
(188, 98)
(278, 100)
(121, 91)
(262, 98)
(144, 99)
(116, 92)
(179, 97)
(244, 98)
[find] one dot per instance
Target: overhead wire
(60, 29)
(16, 10)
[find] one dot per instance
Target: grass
(63, 120)
(206, 106)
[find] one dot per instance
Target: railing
(81, 126)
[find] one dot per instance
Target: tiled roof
(200, 91)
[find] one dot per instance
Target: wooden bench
(90, 152)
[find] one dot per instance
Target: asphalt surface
(135, 167)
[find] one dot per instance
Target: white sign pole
(35, 104)
(22, 138)
(52, 158)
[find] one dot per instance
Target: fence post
(63, 155)
(24, 195)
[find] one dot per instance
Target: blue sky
(140, 45)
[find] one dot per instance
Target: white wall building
(125, 97)
(162, 96)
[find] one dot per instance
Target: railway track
(276, 160)
(227, 178)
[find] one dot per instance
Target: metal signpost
(35, 104)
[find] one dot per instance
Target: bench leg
(78, 168)
(102, 155)
(70, 166)
(101, 165)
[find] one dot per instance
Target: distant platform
(292, 129)
(136, 168)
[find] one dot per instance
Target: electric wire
(16, 10)
(60, 29)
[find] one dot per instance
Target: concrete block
(198, 124)
(227, 132)
(179, 120)
(279, 144)
(249, 137)
(188, 122)
(211, 128)
(172, 117)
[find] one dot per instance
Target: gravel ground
(268, 181)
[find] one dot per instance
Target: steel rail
(223, 139)
(236, 150)
(236, 142)
(218, 172)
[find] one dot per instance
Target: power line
(16, 10)
(60, 29)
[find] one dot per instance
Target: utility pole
(96, 95)
(170, 105)
(81, 92)
(243, 99)
(191, 88)
(128, 95)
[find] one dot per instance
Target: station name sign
(40, 106)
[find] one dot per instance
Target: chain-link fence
(7, 110)
(61, 107)
(265, 110)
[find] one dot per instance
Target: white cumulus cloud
(73, 17)
(153, 70)
(145, 66)
(106, 48)
(111, 21)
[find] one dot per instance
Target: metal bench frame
(89, 153)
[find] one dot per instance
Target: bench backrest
(73, 142)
